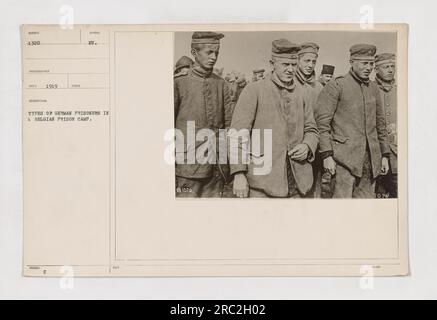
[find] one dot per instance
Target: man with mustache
(203, 98)
(353, 135)
(277, 105)
(385, 78)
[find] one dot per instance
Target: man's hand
(384, 166)
(299, 152)
(329, 165)
(241, 186)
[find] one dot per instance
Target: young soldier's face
(386, 71)
(307, 63)
(284, 68)
(363, 68)
(325, 78)
(206, 55)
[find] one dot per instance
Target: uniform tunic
(311, 85)
(204, 98)
(388, 185)
(287, 112)
(389, 98)
(350, 117)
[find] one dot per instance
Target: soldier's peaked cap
(385, 58)
(284, 49)
(309, 47)
(206, 37)
(258, 71)
(362, 52)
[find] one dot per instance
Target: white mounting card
(102, 198)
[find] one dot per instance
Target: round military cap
(258, 71)
(206, 37)
(385, 58)
(183, 62)
(328, 69)
(363, 52)
(309, 47)
(283, 48)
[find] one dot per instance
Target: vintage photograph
(147, 131)
(291, 114)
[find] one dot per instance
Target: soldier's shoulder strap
(180, 74)
(339, 79)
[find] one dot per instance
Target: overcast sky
(245, 51)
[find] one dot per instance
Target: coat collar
(199, 71)
(358, 79)
(384, 85)
(311, 80)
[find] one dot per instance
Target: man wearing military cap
(326, 74)
(353, 135)
(233, 85)
(306, 78)
(322, 180)
(274, 104)
(240, 84)
(182, 65)
(258, 74)
(306, 64)
(203, 99)
(385, 78)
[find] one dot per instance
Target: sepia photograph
(297, 114)
(154, 127)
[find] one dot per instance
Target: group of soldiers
(332, 137)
